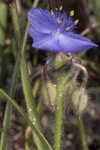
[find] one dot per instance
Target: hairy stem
(59, 111)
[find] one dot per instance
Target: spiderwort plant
(54, 31)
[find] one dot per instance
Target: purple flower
(54, 32)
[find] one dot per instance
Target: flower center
(57, 33)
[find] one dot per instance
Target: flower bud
(49, 93)
(80, 100)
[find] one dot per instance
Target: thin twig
(87, 30)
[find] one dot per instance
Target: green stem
(27, 26)
(25, 80)
(82, 133)
(60, 90)
(3, 22)
(61, 82)
(15, 19)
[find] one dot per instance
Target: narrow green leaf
(41, 139)
(31, 108)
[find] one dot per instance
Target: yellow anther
(68, 28)
(59, 21)
(72, 13)
(60, 8)
(52, 13)
(76, 21)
